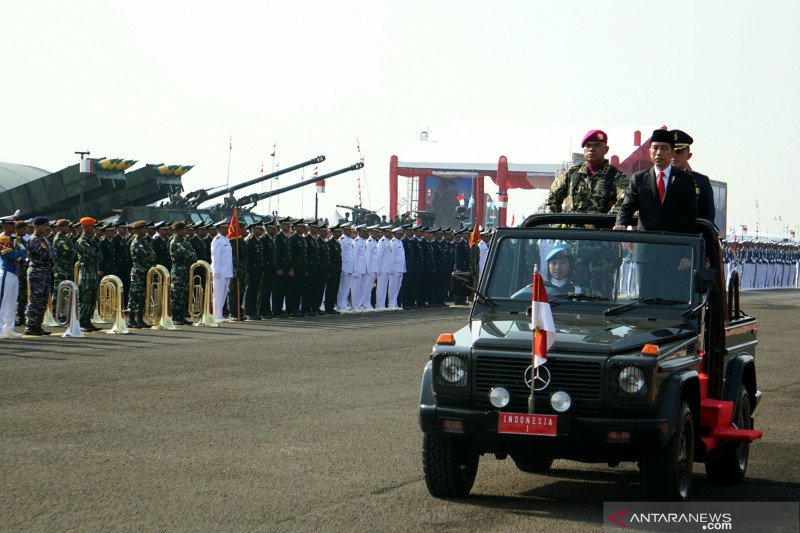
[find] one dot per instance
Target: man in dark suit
(666, 201)
(703, 190)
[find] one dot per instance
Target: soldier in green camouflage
(63, 258)
(89, 257)
(591, 187)
(182, 255)
(142, 258)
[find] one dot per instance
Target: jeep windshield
(620, 271)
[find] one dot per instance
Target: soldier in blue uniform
(298, 270)
(255, 270)
(335, 269)
(703, 190)
(268, 270)
(461, 261)
(407, 298)
(314, 279)
(40, 272)
(283, 268)
(437, 289)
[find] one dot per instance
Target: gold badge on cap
(600, 136)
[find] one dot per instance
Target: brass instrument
(200, 290)
(66, 312)
(156, 299)
(48, 319)
(110, 304)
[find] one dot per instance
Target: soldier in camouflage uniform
(594, 186)
(255, 269)
(63, 258)
(182, 255)
(142, 258)
(90, 258)
(238, 283)
(122, 258)
(21, 230)
(40, 270)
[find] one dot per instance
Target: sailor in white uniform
(397, 267)
(346, 281)
(359, 267)
(221, 267)
(384, 255)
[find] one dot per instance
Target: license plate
(525, 424)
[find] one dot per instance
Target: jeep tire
(533, 464)
(666, 472)
(450, 464)
(727, 465)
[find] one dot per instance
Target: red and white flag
(544, 330)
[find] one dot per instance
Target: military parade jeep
(653, 361)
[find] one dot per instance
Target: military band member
(142, 259)
(122, 258)
(255, 270)
(40, 271)
(89, 257)
(594, 186)
(182, 256)
(109, 262)
(64, 255)
(221, 267)
(198, 245)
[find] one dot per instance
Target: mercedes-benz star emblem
(542, 379)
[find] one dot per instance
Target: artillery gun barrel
(217, 194)
(253, 198)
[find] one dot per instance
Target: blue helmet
(560, 252)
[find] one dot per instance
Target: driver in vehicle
(560, 267)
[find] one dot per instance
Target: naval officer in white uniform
(221, 267)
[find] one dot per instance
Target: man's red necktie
(662, 188)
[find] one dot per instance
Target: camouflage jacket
(577, 191)
(63, 253)
(181, 254)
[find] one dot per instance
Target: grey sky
(170, 81)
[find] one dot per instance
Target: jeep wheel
(666, 473)
(450, 465)
(727, 465)
(533, 464)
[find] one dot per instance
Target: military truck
(653, 360)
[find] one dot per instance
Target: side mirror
(704, 279)
(459, 283)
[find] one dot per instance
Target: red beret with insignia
(594, 136)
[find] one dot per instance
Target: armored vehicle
(653, 360)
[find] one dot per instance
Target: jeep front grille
(580, 378)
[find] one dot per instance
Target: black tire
(727, 465)
(533, 464)
(666, 473)
(450, 464)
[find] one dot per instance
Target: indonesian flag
(544, 330)
(234, 229)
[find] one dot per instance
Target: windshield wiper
(646, 301)
(485, 300)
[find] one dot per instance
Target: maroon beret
(594, 136)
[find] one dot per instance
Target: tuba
(200, 287)
(109, 304)
(156, 299)
(66, 312)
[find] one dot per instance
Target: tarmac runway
(305, 424)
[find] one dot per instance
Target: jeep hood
(578, 333)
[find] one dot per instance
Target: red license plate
(525, 424)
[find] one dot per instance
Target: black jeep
(653, 360)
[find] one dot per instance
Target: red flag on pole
(234, 229)
(544, 330)
(475, 236)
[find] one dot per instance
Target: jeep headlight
(453, 370)
(631, 380)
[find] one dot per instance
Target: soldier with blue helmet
(560, 266)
